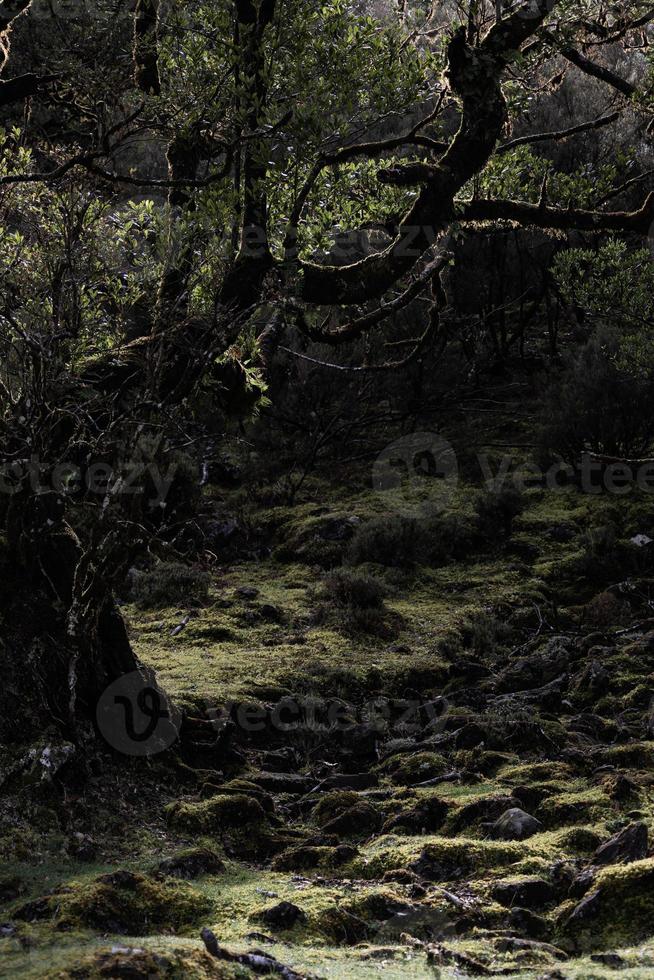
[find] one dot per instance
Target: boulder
(628, 845)
(515, 824)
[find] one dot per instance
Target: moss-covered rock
(410, 769)
(134, 963)
(191, 863)
(220, 813)
(618, 912)
(129, 904)
(307, 857)
(333, 804)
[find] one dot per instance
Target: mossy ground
(464, 628)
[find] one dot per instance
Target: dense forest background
(326, 394)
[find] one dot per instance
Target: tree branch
(628, 222)
(474, 75)
(561, 134)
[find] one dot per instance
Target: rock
(532, 925)
(271, 613)
(620, 787)
(613, 960)
(427, 816)
(531, 893)
(515, 824)
(83, 847)
(277, 782)
(591, 682)
(305, 857)
(353, 780)
(628, 845)
(191, 864)
(282, 916)
(470, 736)
(247, 592)
(220, 813)
(512, 945)
(587, 908)
(361, 819)
(486, 808)
(582, 883)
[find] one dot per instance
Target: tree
(266, 125)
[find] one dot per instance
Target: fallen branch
(257, 961)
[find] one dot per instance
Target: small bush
(400, 542)
(348, 589)
(607, 610)
(389, 541)
(497, 509)
(168, 584)
(483, 633)
(354, 603)
(595, 406)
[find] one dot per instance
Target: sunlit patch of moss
(575, 807)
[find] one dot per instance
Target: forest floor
(494, 732)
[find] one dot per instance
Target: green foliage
(593, 404)
(519, 174)
(613, 286)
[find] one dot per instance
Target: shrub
(389, 541)
(483, 633)
(169, 583)
(354, 603)
(497, 509)
(595, 406)
(344, 588)
(399, 542)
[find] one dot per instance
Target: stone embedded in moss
(338, 925)
(215, 815)
(426, 816)
(445, 859)
(634, 755)
(565, 808)
(515, 824)
(530, 893)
